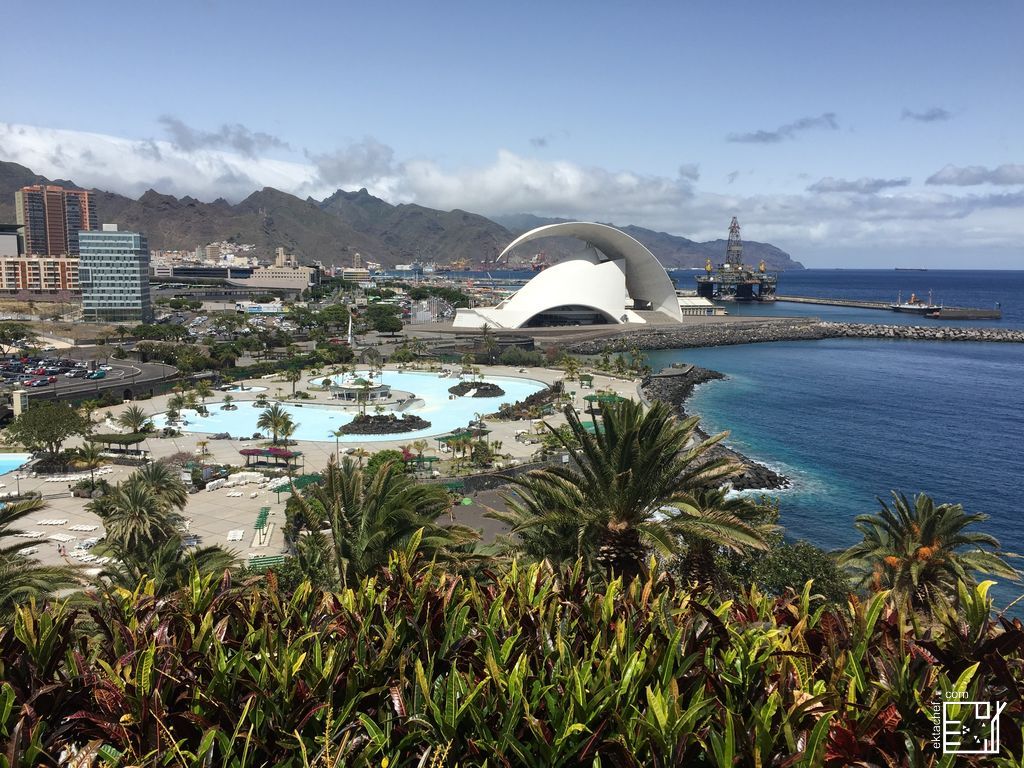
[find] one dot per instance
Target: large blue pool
(316, 422)
(12, 461)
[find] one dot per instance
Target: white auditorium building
(615, 280)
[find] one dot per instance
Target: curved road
(126, 374)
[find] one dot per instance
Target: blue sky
(868, 134)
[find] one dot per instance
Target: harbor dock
(944, 313)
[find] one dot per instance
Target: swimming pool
(12, 461)
(316, 422)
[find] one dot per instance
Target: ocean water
(851, 419)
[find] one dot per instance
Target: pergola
(257, 456)
(122, 441)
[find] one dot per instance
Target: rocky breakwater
(758, 332)
(673, 387)
(920, 332)
(709, 335)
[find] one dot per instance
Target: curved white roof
(646, 278)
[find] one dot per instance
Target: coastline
(761, 331)
(675, 390)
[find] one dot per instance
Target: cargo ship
(915, 305)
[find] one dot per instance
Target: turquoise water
(12, 461)
(315, 423)
(849, 419)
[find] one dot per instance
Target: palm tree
(169, 566)
(614, 504)
(90, 456)
(921, 550)
(176, 402)
(337, 434)
(227, 403)
(134, 419)
(275, 418)
(163, 481)
(713, 522)
(203, 390)
(572, 367)
(21, 575)
(136, 522)
(88, 407)
(369, 517)
(293, 376)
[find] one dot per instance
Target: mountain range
(333, 230)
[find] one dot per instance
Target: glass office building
(114, 275)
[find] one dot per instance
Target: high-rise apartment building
(52, 217)
(114, 275)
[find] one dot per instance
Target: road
(125, 375)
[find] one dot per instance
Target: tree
(134, 419)
(142, 518)
(708, 505)
(227, 403)
(164, 480)
(22, 576)
(135, 520)
(276, 419)
(169, 566)
(203, 390)
(384, 458)
(387, 324)
(15, 336)
(920, 551)
(46, 426)
(293, 376)
(90, 456)
(572, 367)
(615, 503)
(372, 515)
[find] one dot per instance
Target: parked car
(77, 373)
(96, 375)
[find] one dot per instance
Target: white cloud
(973, 175)
(132, 166)
(806, 224)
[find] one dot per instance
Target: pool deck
(212, 514)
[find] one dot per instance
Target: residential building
(44, 274)
(53, 274)
(52, 217)
(114, 274)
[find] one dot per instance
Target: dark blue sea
(848, 419)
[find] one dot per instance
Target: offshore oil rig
(733, 280)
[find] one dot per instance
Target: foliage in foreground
(528, 668)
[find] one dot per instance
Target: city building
(45, 274)
(114, 275)
(282, 259)
(9, 241)
(51, 218)
(616, 280)
(39, 274)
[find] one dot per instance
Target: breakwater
(725, 334)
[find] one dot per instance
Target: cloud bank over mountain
(868, 213)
